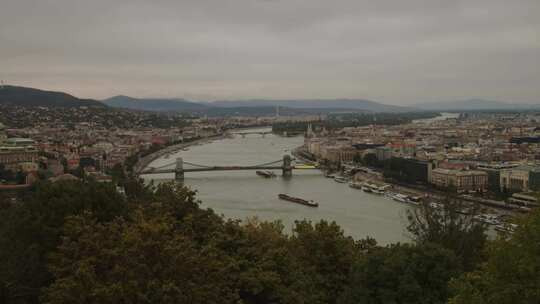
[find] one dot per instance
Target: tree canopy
(83, 242)
(511, 273)
(446, 224)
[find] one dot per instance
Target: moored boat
(298, 200)
(436, 206)
(372, 188)
(266, 174)
(355, 185)
(506, 227)
(340, 179)
(490, 219)
(398, 197)
(367, 187)
(378, 191)
(415, 200)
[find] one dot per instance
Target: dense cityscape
(488, 156)
(481, 166)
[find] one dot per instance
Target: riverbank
(417, 190)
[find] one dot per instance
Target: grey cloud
(395, 51)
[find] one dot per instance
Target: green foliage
(511, 273)
(78, 172)
(144, 260)
(401, 274)
(266, 270)
(118, 174)
(82, 242)
(357, 159)
(326, 254)
(11, 176)
(371, 160)
(451, 229)
(30, 231)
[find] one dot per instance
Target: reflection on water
(243, 194)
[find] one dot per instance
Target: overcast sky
(394, 51)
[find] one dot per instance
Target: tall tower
(277, 111)
(287, 166)
(309, 131)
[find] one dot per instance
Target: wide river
(243, 194)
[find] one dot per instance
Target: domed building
(16, 151)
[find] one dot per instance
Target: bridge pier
(287, 166)
(179, 170)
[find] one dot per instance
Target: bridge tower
(287, 166)
(179, 170)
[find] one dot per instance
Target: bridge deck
(252, 132)
(227, 168)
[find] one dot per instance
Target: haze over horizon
(387, 51)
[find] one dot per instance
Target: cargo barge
(298, 200)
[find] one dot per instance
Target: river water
(243, 194)
(443, 116)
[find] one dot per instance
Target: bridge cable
(197, 165)
(207, 166)
(161, 167)
(269, 163)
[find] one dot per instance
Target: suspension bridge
(244, 133)
(178, 167)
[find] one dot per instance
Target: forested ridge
(83, 242)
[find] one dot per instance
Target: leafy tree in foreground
(31, 230)
(326, 254)
(82, 242)
(401, 274)
(446, 225)
(143, 261)
(511, 273)
(266, 270)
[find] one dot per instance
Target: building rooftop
(18, 142)
(459, 172)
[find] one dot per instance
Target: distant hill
(154, 104)
(474, 104)
(21, 96)
(251, 106)
(348, 104)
